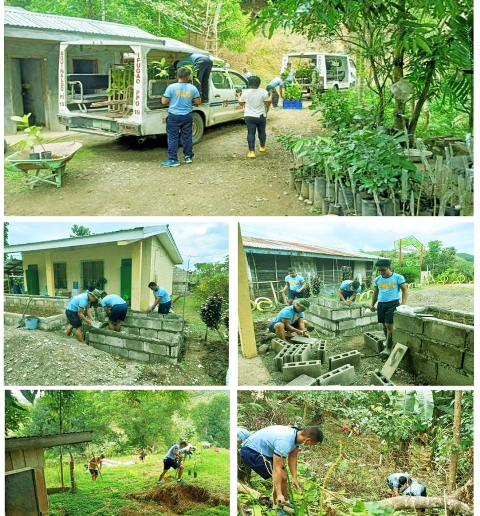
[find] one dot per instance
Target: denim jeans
(255, 124)
(179, 126)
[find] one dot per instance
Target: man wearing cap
(348, 291)
(291, 319)
(75, 312)
(387, 287)
(295, 284)
(266, 450)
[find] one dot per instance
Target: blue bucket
(31, 323)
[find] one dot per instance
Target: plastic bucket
(31, 323)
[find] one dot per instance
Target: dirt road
(118, 179)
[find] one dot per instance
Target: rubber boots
(388, 346)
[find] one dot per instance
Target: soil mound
(178, 499)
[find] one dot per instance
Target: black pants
(203, 67)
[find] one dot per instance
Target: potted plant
(292, 96)
(33, 137)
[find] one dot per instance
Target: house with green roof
(120, 262)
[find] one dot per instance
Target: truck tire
(198, 127)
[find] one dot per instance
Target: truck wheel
(198, 128)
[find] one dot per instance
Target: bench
(86, 88)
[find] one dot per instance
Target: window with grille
(60, 275)
(92, 274)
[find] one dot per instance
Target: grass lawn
(131, 490)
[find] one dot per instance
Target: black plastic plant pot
(46, 155)
(34, 155)
(194, 474)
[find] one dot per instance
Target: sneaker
(160, 482)
(281, 512)
(188, 159)
(251, 154)
(181, 481)
(170, 163)
(262, 149)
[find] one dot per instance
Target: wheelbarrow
(62, 153)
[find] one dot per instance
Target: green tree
(180, 19)
(5, 233)
(17, 414)
(439, 259)
(80, 231)
(409, 39)
(210, 278)
(212, 420)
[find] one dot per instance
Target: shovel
(21, 324)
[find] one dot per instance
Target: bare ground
(222, 181)
(450, 297)
(35, 357)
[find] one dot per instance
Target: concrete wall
(19, 301)
(333, 318)
(180, 281)
(441, 350)
(147, 337)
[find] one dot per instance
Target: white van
(114, 89)
(334, 70)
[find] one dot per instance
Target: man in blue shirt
(272, 89)
(115, 309)
(387, 287)
(265, 451)
(291, 319)
(348, 291)
(179, 98)
(162, 299)
(203, 66)
(414, 488)
(173, 459)
(295, 284)
(76, 310)
(397, 481)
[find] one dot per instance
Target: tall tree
(454, 454)
(411, 39)
(80, 231)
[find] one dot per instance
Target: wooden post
(245, 319)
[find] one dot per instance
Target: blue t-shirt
(163, 294)
(181, 95)
(389, 288)
(346, 286)
(112, 300)
(275, 82)
(393, 478)
(273, 440)
(414, 489)
(288, 313)
(242, 433)
(170, 454)
(80, 301)
(294, 283)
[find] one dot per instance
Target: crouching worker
(348, 291)
(265, 451)
(76, 310)
(173, 459)
(95, 466)
(290, 320)
(115, 310)
(397, 482)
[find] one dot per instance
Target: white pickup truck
(114, 88)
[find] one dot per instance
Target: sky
(369, 234)
(197, 241)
